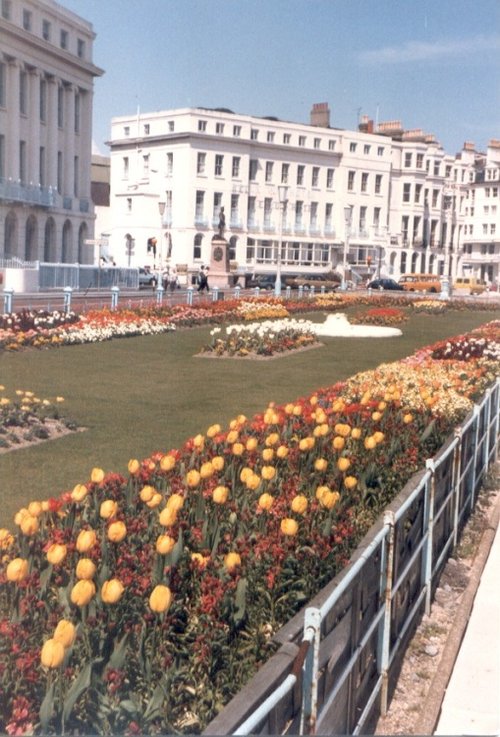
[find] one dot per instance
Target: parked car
(264, 281)
(146, 279)
(470, 284)
(385, 284)
(330, 282)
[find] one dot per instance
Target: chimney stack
(320, 115)
(366, 125)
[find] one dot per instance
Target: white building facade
(385, 202)
(46, 89)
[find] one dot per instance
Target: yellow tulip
(35, 509)
(79, 493)
(232, 437)
(146, 493)
(56, 553)
(206, 470)
(17, 570)
(297, 410)
(343, 464)
(155, 500)
(245, 474)
(267, 454)
(329, 499)
(282, 451)
(272, 439)
(29, 525)
(213, 430)
(378, 436)
(6, 538)
(199, 560)
(289, 527)
(160, 599)
(220, 494)
(97, 476)
(338, 405)
(370, 442)
(164, 544)
(320, 464)
(85, 541)
(266, 501)
(167, 463)
(192, 478)
(350, 482)
(112, 591)
(117, 531)
(52, 654)
(232, 561)
(268, 472)
(85, 569)
(356, 433)
(218, 463)
(175, 502)
(134, 466)
(251, 444)
(82, 592)
(342, 429)
(376, 416)
(168, 517)
(288, 408)
(321, 490)
(321, 430)
(253, 482)
(407, 418)
(65, 633)
(338, 442)
(108, 509)
(306, 444)
(238, 449)
(199, 441)
(299, 504)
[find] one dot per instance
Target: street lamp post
(161, 209)
(282, 196)
(347, 219)
(445, 280)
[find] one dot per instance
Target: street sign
(91, 242)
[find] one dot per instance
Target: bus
(420, 282)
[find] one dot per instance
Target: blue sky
(433, 64)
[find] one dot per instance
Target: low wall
(20, 280)
(362, 621)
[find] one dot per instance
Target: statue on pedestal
(222, 223)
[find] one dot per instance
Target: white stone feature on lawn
(338, 326)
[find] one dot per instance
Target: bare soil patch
(34, 433)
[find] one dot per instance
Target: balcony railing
(28, 194)
(67, 203)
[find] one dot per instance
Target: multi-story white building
(46, 88)
(389, 201)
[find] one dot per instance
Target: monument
(219, 274)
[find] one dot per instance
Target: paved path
(471, 705)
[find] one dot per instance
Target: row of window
(45, 30)
(24, 81)
(417, 194)
(24, 178)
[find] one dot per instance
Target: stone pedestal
(218, 273)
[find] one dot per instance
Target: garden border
(340, 657)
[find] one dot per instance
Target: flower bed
(379, 316)
(430, 306)
(143, 603)
(26, 419)
(261, 338)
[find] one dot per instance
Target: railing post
(309, 711)
(68, 291)
(288, 292)
(159, 294)
(7, 299)
(189, 295)
(257, 291)
(430, 534)
(457, 478)
(322, 289)
(389, 522)
(115, 291)
(237, 292)
(475, 411)
(311, 291)
(301, 291)
(215, 294)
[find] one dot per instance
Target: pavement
(471, 703)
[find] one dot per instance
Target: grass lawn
(138, 395)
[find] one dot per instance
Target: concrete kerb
(432, 706)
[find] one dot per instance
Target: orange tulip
(268, 472)
(338, 442)
(82, 592)
(108, 509)
(79, 493)
(350, 482)
(356, 433)
(175, 502)
(289, 527)
(85, 568)
(155, 500)
(56, 553)
(329, 499)
(97, 476)
(167, 463)
(370, 442)
(282, 451)
(29, 525)
(232, 561)
(35, 509)
(320, 464)
(193, 478)
(146, 493)
(299, 504)
(85, 541)
(238, 449)
(17, 570)
(112, 591)
(220, 494)
(206, 470)
(168, 517)
(267, 454)
(266, 501)
(218, 463)
(164, 544)
(343, 464)
(117, 531)
(134, 467)
(65, 633)
(251, 444)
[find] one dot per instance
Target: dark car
(146, 279)
(330, 282)
(385, 284)
(264, 281)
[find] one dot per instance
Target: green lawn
(138, 395)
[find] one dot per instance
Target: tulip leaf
(173, 557)
(47, 708)
(44, 579)
(79, 685)
(428, 431)
(216, 539)
(153, 708)
(117, 658)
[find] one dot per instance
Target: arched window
(403, 262)
(66, 243)
(11, 235)
(198, 240)
(233, 242)
(414, 261)
(84, 252)
(49, 241)
(31, 239)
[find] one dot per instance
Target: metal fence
(82, 277)
(340, 658)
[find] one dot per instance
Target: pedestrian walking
(203, 281)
